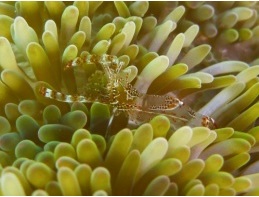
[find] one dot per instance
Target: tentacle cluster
(199, 54)
(51, 153)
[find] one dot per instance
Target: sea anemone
(151, 160)
(48, 147)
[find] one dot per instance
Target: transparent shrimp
(109, 85)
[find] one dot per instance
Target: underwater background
(206, 54)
